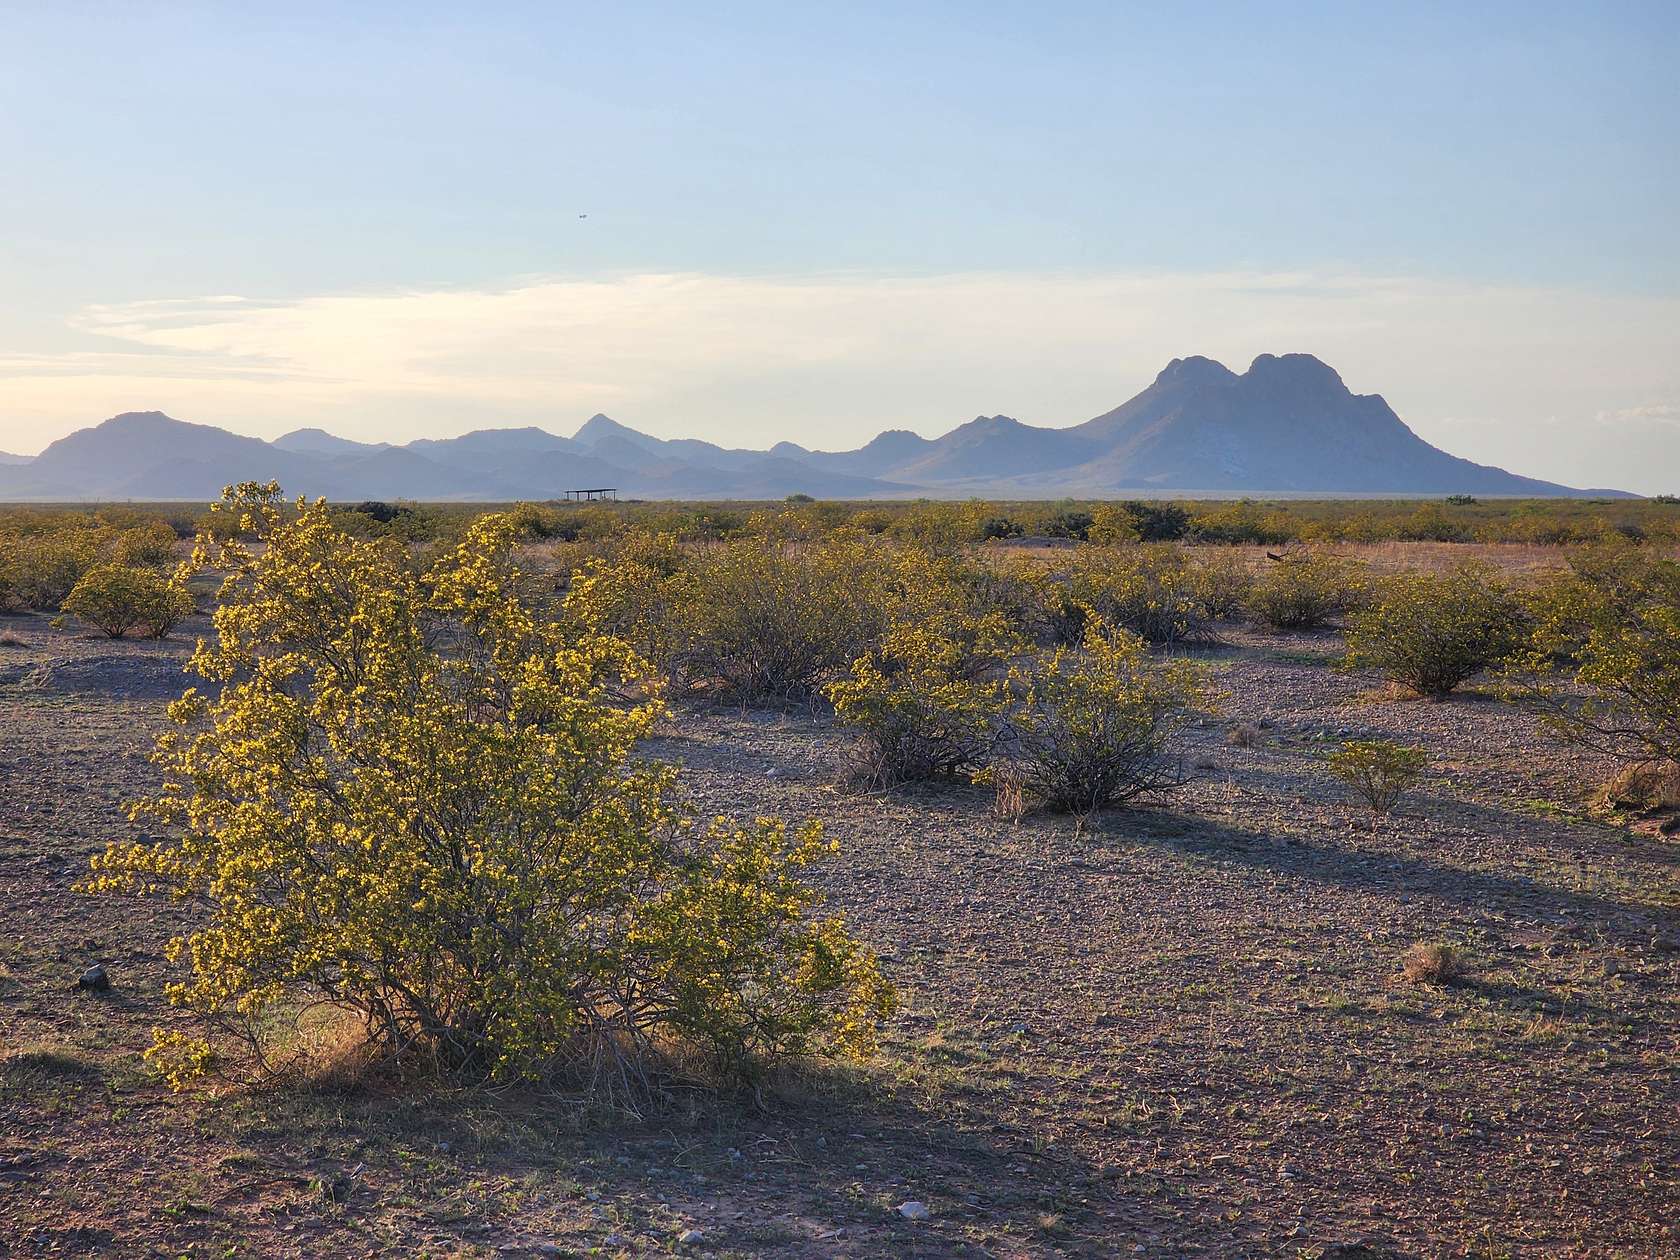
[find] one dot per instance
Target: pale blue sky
(1514, 163)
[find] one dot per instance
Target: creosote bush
(116, 598)
(774, 619)
(930, 699)
(770, 617)
(1223, 583)
(1379, 771)
(1603, 657)
(39, 571)
(1150, 589)
(1304, 592)
(1090, 726)
(408, 796)
(762, 617)
(1433, 631)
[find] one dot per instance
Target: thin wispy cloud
(830, 359)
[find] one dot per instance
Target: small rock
(615, 1239)
(689, 1237)
(94, 979)
(914, 1210)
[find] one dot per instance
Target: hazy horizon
(786, 223)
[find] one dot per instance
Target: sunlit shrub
(417, 801)
(1304, 592)
(40, 570)
(152, 544)
(943, 526)
(1017, 587)
(1379, 771)
(1111, 525)
(1430, 522)
(1243, 523)
(1090, 726)
(774, 620)
(1603, 658)
(640, 590)
(1432, 631)
(1223, 582)
(1151, 590)
(929, 700)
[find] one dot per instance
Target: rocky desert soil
(1179, 1029)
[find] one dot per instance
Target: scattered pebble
(914, 1210)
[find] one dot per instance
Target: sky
(763, 221)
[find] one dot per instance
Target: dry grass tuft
(1430, 962)
(1645, 787)
(1010, 801)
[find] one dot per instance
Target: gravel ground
(1175, 1030)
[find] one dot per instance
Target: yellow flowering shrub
(1020, 588)
(1224, 582)
(1111, 525)
(1603, 656)
(1303, 592)
(1150, 589)
(643, 592)
(1433, 631)
(118, 597)
(152, 545)
(775, 619)
(40, 570)
(1091, 726)
(930, 699)
(761, 616)
(407, 795)
(1378, 770)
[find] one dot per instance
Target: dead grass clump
(1431, 962)
(1009, 783)
(1645, 787)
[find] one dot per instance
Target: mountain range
(1288, 425)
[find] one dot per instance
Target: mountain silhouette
(1288, 425)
